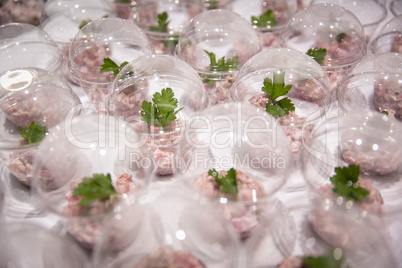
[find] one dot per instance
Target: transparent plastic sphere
(268, 31)
(330, 27)
(30, 96)
(389, 38)
(369, 141)
(95, 150)
(114, 38)
(216, 43)
(27, 11)
(371, 13)
(241, 141)
(371, 91)
(25, 45)
(64, 24)
(328, 229)
(309, 93)
(27, 244)
(164, 33)
(142, 80)
(169, 226)
(385, 62)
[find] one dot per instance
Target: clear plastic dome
(309, 93)
(371, 13)
(164, 20)
(216, 43)
(26, 244)
(220, 31)
(25, 45)
(55, 6)
(389, 38)
(268, 18)
(141, 81)
(327, 26)
(171, 226)
(369, 141)
(114, 38)
(371, 91)
(30, 96)
(99, 153)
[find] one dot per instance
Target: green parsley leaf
(345, 182)
(34, 133)
(318, 54)
(222, 65)
(162, 23)
(275, 89)
(83, 23)
(110, 66)
(327, 261)
(228, 183)
(163, 109)
(99, 186)
(264, 20)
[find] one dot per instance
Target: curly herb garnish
(228, 183)
(97, 187)
(275, 89)
(264, 20)
(163, 109)
(221, 65)
(162, 27)
(34, 133)
(318, 54)
(110, 66)
(345, 182)
(328, 261)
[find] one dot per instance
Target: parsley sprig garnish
(345, 182)
(162, 27)
(221, 65)
(97, 187)
(34, 133)
(327, 261)
(264, 20)
(88, 20)
(318, 54)
(275, 89)
(163, 109)
(110, 66)
(228, 183)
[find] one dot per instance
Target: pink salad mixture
(219, 92)
(27, 11)
(162, 143)
(388, 97)
(86, 230)
(397, 44)
(291, 123)
(379, 162)
(243, 216)
(167, 257)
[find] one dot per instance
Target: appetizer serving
(93, 197)
(243, 193)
